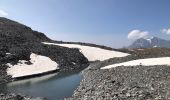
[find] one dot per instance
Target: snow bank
(40, 64)
(144, 62)
(93, 53)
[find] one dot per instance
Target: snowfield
(93, 53)
(40, 64)
(144, 62)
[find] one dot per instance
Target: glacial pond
(56, 86)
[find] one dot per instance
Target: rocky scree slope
(18, 41)
(126, 83)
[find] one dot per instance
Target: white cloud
(3, 13)
(136, 34)
(166, 31)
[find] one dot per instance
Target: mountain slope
(18, 42)
(11, 31)
(150, 43)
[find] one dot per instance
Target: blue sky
(106, 22)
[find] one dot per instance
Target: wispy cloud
(166, 31)
(3, 13)
(136, 34)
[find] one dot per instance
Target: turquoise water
(53, 86)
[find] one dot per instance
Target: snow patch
(149, 40)
(93, 53)
(40, 64)
(73, 63)
(8, 53)
(144, 62)
(140, 49)
(155, 46)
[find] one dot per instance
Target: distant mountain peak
(150, 42)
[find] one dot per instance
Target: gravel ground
(13, 96)
(126, 83)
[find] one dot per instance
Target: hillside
(12, 32)
(18, 42)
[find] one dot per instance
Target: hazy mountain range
(151, 42)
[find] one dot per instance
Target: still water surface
(53, 86)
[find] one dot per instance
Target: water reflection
(54, 86)
(33, 80)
